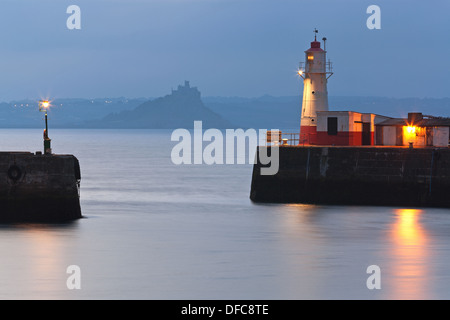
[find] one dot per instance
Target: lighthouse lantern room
(315, 72)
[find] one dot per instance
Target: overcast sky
(143, 48)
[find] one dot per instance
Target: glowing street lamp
(44, 105)
(411, 129)
(410, 133)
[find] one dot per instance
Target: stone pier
(36, 187)
(387, 176)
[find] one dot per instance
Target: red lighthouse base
(308, 135)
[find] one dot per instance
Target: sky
(246, 48)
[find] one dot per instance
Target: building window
(332, 126)
(310, 57)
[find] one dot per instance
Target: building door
(332, 126)
(399, 136)
(366, 134)
(379, 135)
(429, 136)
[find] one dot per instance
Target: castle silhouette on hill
(177, 110)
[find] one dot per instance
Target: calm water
(154, 230)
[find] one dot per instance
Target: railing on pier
(279, 138)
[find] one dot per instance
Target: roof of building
(427, 122)
(330, 112)
(393, 122)
(434, 122)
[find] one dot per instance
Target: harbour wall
(385, 176)
(36, 187)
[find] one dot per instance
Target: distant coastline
(173, 112)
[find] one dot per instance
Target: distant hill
(185, 105)
(264, 112)
(269, 112)
(177, 110)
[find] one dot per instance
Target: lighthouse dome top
(315, 46)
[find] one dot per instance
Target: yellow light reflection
(408, 231)
(409, 255)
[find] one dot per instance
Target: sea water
(156, 230)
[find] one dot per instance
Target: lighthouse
(315, 72)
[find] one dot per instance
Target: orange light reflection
(409, 255)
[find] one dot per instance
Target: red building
(347, 128)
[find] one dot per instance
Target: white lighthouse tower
(315, 71)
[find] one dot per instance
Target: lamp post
(43, 107)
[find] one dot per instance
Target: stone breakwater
(36, 187)
(386, 176)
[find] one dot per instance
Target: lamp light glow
(44, 105)
(411, 129)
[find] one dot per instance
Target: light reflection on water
(410, 255)
(33, 260)
(159, 231)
